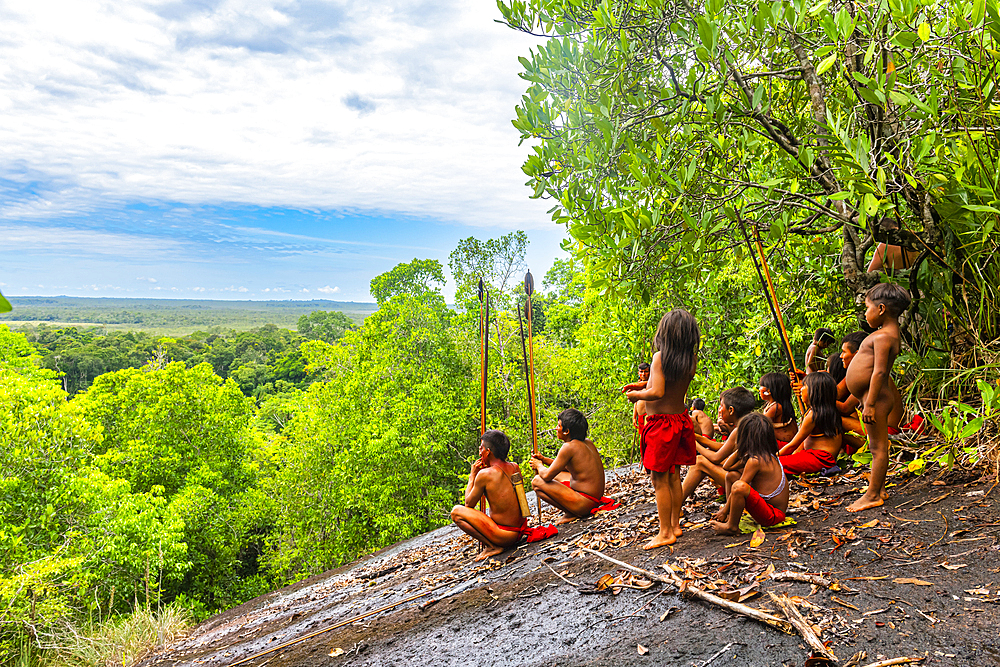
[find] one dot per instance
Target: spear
(527, 381)
(484, 358)
(772, 300)
(529, 289)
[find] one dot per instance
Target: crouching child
(761, 488)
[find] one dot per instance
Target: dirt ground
(916, 577)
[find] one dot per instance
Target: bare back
(662, 397)
(584, 464)
(504, 508)
(702, 423)
(767, 478)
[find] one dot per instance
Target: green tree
(660, 125)
(417, 278)
(325, 325)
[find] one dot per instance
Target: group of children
(751, 464)
(756, 452)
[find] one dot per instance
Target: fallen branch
(652, 576)
(897, 661)
(816, 579)
(685, 587)
(717, 654)
(795, 617)
(557, 574)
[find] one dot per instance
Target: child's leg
(878, 444)
(677, 499)
(736, 500)
(664, 509)
(693, 478)
(723, 512)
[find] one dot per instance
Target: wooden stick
(683, 586)
(816, 579)
(897, 661)
(529, 288)
(802, 625)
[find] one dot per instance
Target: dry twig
(795, 617)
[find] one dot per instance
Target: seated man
(574, 480)
(733, 404)
(702, 422)
(490, 476)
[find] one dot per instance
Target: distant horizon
(15, 298)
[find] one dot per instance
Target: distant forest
(172, 316)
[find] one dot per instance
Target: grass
(116, 643)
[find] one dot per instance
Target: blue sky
(264, 150)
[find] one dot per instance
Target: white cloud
(197, 289)
(148, 280)
(394, 105)
(328, 290)
(70, 241)
(304, 290)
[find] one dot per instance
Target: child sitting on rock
(817, 444)
(755, 480)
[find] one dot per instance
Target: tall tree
(658, 125)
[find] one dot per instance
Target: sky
(264, 149)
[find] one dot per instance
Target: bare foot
(658, 541)
(491, 551)
(885, 495)
(677, 531)
(566, 518)
(865, 503)
(724, 528)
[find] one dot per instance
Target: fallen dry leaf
(758, 538)
(642, 649)
(870, 524)
(337, 651)
(953, 567)
(911, 580)
(978, 591)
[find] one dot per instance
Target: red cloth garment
(639, 421)
(806, 461)
(894, 431)
(601, 504)
(762, 511)
(782, 443)
(667, 442)
(532, 534)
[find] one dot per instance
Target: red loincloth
(532, 534)
(762, 511)
(667, 442)
(601, 504)
(806, 461)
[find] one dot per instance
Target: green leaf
(924, 31)
(826, 63)
(916, 466)
(5, 306)
(979, 208)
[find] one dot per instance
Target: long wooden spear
(527, 382)
(772, 300)
(484, 361)
(529, 289)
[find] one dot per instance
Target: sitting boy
(702, 422)
(733, 404)
(490, 476)
(869, 381)
(574, 480)
(848, 404)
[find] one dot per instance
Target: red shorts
(806, 461)
(667, 442)
(762, 511)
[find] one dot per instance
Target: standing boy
(574, 480)
(868, 380)
(490, 476)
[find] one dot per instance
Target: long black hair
(835, 367)
(755, 437)
(677, 339)
(823, 402)
(781, 393)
